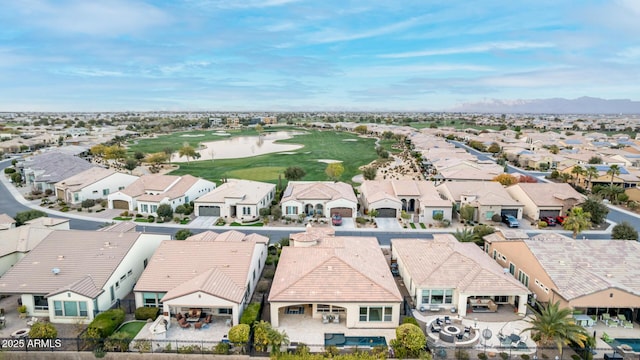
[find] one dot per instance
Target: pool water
(341, 340)
(634, 343)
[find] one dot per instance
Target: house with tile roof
(73, 275)
(390, 197)
(44, 170)
(320, 198)
(216, 273)
(241, 199)
(149, 191)
(94, 183)
(545, 199)
(627, 178)
(444, 273)
(454, 170)
(592, 276)
(488, 198)
(344, 281)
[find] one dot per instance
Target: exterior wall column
(522, 305)
(274, 315)
(462, 305)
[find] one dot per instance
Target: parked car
(549, 220)
(336, 220)
(560, 219)
(511, 221)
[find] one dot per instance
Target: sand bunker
(220, 133)
(192, 135)
(349, 139)
(329, 161)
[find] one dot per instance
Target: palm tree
(577, 220)
(590, 172)
(614, 170)
(553, 325)
(577, 171)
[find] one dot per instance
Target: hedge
(107, 322)
(250, 314)
(145, 313)
(9, 170)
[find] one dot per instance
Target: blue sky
(242, 55)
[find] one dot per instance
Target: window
(144, 208)
(105, 192)
(495, 254)
(154, 208)
(120, 187)
(94, 192)
(117, 284)
(123, 277)
(436, 212)
(523, 278)
(246, 210)
(501, 299)
(291, 210)
(227, 311)
(40, 303)
(376, 313)
(130, 272)
(489, 215)
(512, 268)
(437, 296)
(112, 293)
(70, 308)
(76, 197)
(151, 299)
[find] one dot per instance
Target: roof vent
(505, 270)
(329, 267)
(609, 275)
(55, 271)
(106, 243)
(60, 257)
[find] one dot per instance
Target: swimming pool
(341, 340)
(633, 343)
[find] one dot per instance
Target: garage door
(512, 212)
(120, 204)
(344, 212)
(551, 213)
(209, 211)
(386, 213)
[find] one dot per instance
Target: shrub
(220, 222)
(151, 218)
(239, 334)
(360, 220)
(183, 234)
(16, 178)
(107, 322)
(118, 342)
(145, 313)
(221, 348)
(9, 170)
(542, 224)
(496, 218)
(410, 320)
(42, 330)
(482, 356)
(262, 287)
(504, 355)
(272, 260)
(180, 209)
(250, 314)
(24, 216)
(143, 346)
(269, 273)
(124, 213)
(36, 192)
(331, 351)
(284, 242)
(22, 309)
(88, 203)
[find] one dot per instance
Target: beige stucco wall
(352, 311)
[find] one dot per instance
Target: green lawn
(251, 224)
(317, 145)
(132, 328)
(388, 145)
(458, 125)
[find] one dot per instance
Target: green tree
(553, 325)
(506, 179)
(165, 211)
(614, 170)
(187, 151)
(480, 231)
(24, 216)
(97, 150)
(139, 155)
(373, 213)
(115, 152)
(182, 234)
(361, 129)
(157, 158)
(276, 340)
(577, 221)
(594, 160)
(590, 172)
(259, 129)
(576, 172)
(130, 164)
(494, 148)
(597, 208)
(334, 171)
(369, 173)
(409, 341)
(464, 235)
(624, 231)
(554, 149)
(16, 178)
(467, 212)
(43, 330)
(294, 173)
(261, 335)
(239, 335)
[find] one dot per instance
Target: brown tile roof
(318, 190)
(549, 194)
(6, 219)
(85, 178)
(337, 269)
(579, 268)
(76, 254)
(486, 192)
(375, 190)
(446, 263)
(47, 221)
(201, 263)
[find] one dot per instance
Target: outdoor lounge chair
(198, 325)
(336, 319)
(179, 316)
(612, 324)
(183, 323)
(627, 324)
(605, 318)
(622, 317)
(435, 328)
(325, 319)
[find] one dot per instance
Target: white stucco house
(73, 275)
(343, 281)
(417, 197)
(241, 199)
(94, 183)
(320, 198)
(217, 275)
(149, 191)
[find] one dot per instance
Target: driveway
(203, 221)
(347, 223)
(388, 224)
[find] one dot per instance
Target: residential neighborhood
(444, 234)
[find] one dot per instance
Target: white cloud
(508, 45)
(242, 4)
(330, 36)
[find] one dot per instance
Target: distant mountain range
(582, 105)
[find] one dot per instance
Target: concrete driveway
(347, 223)
(388, 223)
(203, 221)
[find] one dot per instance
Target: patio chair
(438, 321)
(622, 317)
(447, 320)
(184, 324)
(198, 325)
(32, 321)
(627, 324)
(179, 316)
(207, 320)
(336, 319)
(612, 324)
(435, 328)
(605, 318)
(325, 319)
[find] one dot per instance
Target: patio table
(193, 319)
(583, 320)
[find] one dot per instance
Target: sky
(310, 55)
